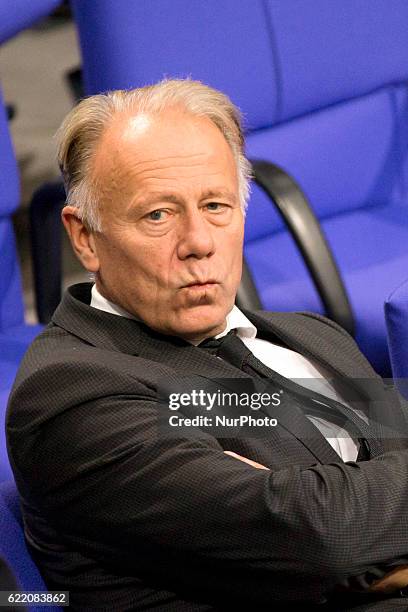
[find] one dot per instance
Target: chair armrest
(247, 296)
(307, 233)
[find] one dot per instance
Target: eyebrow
(219, 193)
(159, 196)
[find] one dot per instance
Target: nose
(196, 237)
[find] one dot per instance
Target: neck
(198, 338)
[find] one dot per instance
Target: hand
(245, 460)
(395, 580)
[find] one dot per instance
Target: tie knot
(212, 345)
(230, 348)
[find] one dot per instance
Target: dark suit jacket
(127, 519)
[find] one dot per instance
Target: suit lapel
(112, 332)
(309, 336)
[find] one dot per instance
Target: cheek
(233, 249)
(231, 262)
(151, 265)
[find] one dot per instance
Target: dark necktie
(232, 349)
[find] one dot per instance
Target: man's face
(170, 249)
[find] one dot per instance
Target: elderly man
(128, 518)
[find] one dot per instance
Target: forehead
(174, 146)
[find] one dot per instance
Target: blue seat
(11, 352)
(16, 15)
(323, 90)
(13, 547)
(342, 134)
(15, 335)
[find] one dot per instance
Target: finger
(393, 581)
(254, 464)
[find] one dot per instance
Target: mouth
(207, 284)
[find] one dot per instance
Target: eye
(215, 207)
(157, 215)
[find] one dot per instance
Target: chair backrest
(225, 44)
(328, 77)
(15, 15)
(11, 297)
(342, 105)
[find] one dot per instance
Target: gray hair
(83, 127)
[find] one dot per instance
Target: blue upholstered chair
(341, 132)
(323, 87)
(13, 547)
(17, 15)
(11, 353)
(14, 334)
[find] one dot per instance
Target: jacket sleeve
(181, 509)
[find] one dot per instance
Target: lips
(205, 283)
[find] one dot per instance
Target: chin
(203, 321)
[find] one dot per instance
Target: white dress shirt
(282, 360)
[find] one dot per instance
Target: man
(127, 518)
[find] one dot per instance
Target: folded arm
(177, 509)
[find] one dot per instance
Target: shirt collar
(235, 318)
(101, 303)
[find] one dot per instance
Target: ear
(81, 238)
